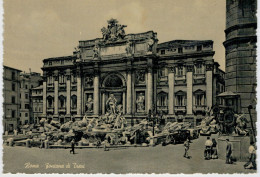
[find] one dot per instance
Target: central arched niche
(113, 81)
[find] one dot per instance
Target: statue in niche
(89, 104)
(140, 102)
(140, 77)
(111, 103)
(96, 51)
(129, 48)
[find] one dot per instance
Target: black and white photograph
(129, 87)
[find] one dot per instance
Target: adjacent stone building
(11, 93)
(28, 81)
(240, 44)
(37, 104)
(133, 74)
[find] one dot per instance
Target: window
(26, 122)
(13, 75)
(74, 101)
(26, 114)
(199, 100)
(162, 52)
(162, 100)
(61, 79)
(13, 113)
(31, 86)
(50, 63)
(62, 101)
(180, 100)
(27, 106)
(13, 86)
(26, 96)
(179, 50)
(49, 98)
(50, 79)
(13, 99)
(180, 71)
(26, 87)
(199, 69)
(73, 78)
(199, 48)
(162, 72)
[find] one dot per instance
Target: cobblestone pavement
(159, 159)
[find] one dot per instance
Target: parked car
(178, 136)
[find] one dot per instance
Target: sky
(39, 29)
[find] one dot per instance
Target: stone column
(103, 103)
(171, 90)
(44, 97)
(96, 94)
(189, 89)
(79, 96)
(209, 83)
(150, 89)
(124, 102)
(129, 92)
(68, 94)
(56, 94)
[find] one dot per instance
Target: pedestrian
(252, 158)
(105, 145)
(208, 148)
(72, 146)
(228, 152)
(42, 144)
(187, 146)
(214, 149)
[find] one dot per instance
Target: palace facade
(134, 74)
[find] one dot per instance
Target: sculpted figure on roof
(114, 31)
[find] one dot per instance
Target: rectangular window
(13, 75)
(13, 99)
(26, 114)
(13, 86)
(26, 122)
(162, 52)
(180, 71)
(27, 106)
(26, 87)
(199, 69)
(198, 100)
(61, 79)
(26, 96)
(179, 50)
(199, 48)
(13, 113)
(180, 100)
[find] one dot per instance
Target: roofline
(55, 58)
(12, 68)
(201, 41)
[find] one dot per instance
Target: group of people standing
(210, 149)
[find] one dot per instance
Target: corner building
(240, 45)
(178, 78)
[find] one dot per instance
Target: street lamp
(251, 120)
